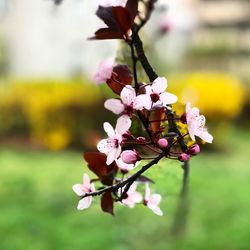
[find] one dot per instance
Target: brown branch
(131, 179)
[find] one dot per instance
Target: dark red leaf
(123, 19)
(124, 74)
(107, 16)
(97, 164)
(107, 203)
(106, 33)
(132, 7)
(121, 76)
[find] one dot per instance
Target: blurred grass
(38, 207)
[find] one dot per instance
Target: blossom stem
(124, 182)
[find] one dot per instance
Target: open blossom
(112, 145)
(129, 102)
(82, 189)
(196, 124)
(152, 201)
(133, 196)
(158, 95)
(104, 71)
(165, 24)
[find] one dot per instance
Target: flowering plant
(145, 103)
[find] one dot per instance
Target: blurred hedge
(57, 114)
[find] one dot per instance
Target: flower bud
(130, 156)
(184, 157)
(141, 139)
(163, 142)
(127, 136)
(194, 149)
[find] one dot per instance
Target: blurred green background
(50, 112)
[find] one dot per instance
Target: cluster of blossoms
(119, 155)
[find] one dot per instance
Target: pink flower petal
(159, 85)
(128, 95)
(78, 189)
(155, 199)
(86, 180)
(205, 136)
(168, 98)
(114, 105)
(104, 146)
(155, 209)
(123, 124)
(109, 129)
(142, 101)
(113, 155)
(84, 203)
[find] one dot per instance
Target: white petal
(155, 199)
(191, 133)
(123, 124)
(159, 85)
(128, 95)
(136, 197)
(205, 136)
(108, 129)
(84, 203)
(86, 180)
(188, 107)
(78, 189)
(168, 98)
(114, 105)
(142, 101)
(124, 166)
(148, 89)
(111, 156)
(104, 146)
(155, 209)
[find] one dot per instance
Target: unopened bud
(194, 150)
(130, 156)
(127, 136)
(184, 157)
(163, 142)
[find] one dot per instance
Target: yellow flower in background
(218, 96)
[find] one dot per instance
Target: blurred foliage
(53, 113)
(58, 114)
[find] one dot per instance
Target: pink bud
(163, 142)
(184, 157)
(127, 136)
(129, 156)
(194, 150)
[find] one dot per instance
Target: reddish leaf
(132, 7)
(124, 74)
(107, 203)
(157, 115)
(107, 16)
(106, 33)
(123, 19)
(121, 76)
(97, 164)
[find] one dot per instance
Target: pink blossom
(112, 145)
(163, 142)
(129, 102)
(165, 24)
(133, 196)
(126, 166)
(158, 96)
(82, 189)
(130, 156)
(196, 124)
(152, 201)
(184, 157)
(104, 71)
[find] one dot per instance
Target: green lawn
(38, 207)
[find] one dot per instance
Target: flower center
(128, 110)
(155, 97)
